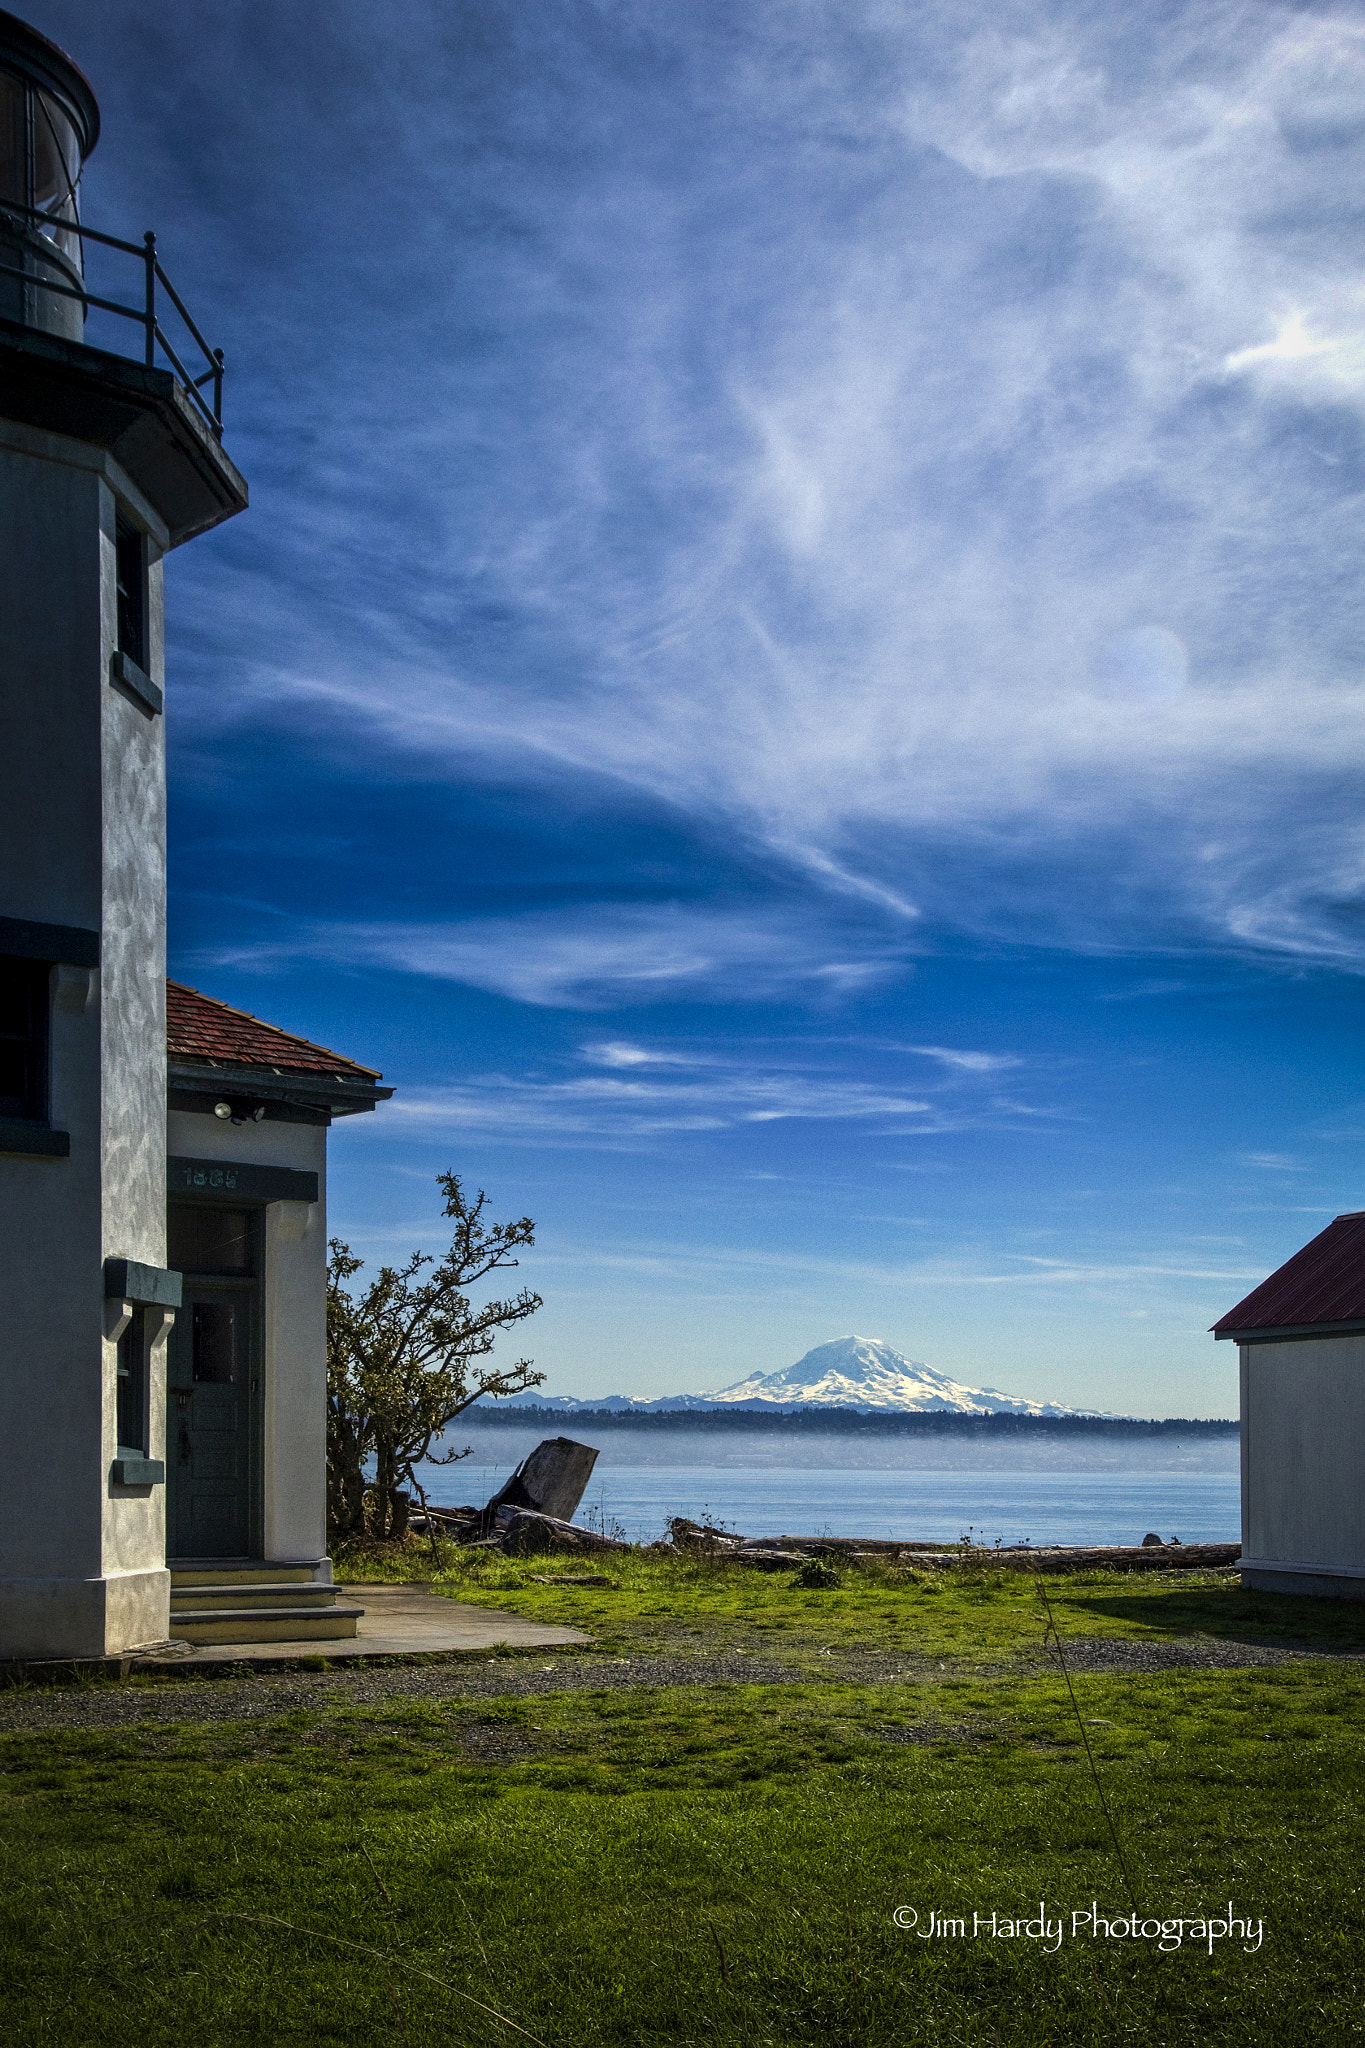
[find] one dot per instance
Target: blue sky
(793, 673)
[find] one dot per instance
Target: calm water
(1039, 1490)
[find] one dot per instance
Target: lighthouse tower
(109, 456)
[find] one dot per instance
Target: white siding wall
(1303, 1454)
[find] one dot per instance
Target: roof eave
(342, 1095)
(1288, 1333)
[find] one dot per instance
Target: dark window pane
(215, 1342)
(13, 150)
(132, 1384)
(23, 1038)
(209, 1240)
(131, 562)
(56, 172)
(182, 1239)
(13, 1072)
(15, 1010)
(56, 155)
(225, 1240)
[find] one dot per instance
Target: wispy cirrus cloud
(594, 953)
(618, 1054)
(633, 1092)
(943, 481)
(556, 1111)
(934, 1273)
(967, 1062)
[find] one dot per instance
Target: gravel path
(1203, 1653)
(270, 1695)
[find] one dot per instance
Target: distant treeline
(847, 1422)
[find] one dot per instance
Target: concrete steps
(250, 1602)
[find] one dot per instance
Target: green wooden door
(209, 1414)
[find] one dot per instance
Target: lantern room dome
(49, 123)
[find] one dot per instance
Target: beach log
(1136, 1557)
(526, 1534)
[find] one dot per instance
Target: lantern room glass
(13, 140)
(40, 162)
(56, 172)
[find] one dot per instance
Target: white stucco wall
(133, 1052)
(294, 1389)
(1303, 1462)
(82, 842)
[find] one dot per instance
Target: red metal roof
(1324, 1283)
(202, 1029)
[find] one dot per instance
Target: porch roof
(212, 1047)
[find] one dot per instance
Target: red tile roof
(202, 1029)
(1324, 1283)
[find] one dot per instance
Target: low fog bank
(1038, 1488)
(501, 1449)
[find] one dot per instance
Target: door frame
(252, 1286)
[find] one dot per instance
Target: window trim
(136, 684)
(22, 1140)
(131, 660)
(65, 945)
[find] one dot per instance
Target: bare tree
(404, 1358)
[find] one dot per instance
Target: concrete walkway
(399, 1621)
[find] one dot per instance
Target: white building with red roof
(1301, 1338)
(245, 1431)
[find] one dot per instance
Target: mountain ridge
(862, 1373)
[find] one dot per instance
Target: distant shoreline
(849, 1422)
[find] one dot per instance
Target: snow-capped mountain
(849, 1372)
(865, 1372)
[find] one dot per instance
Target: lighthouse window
(40, 159)
(56, 169)
(13, 167)
(131, 558)
(56, 158)
(23, 1038)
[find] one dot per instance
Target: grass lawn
(719, 1863)
(661, 1599)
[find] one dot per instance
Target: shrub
(818, 1576)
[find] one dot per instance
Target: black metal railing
(49, 226)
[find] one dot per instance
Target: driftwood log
(780, 1553)
(526, 1534)
(836, 1546)
(1130, 1557)
(765, 1555)
(521, 1532)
